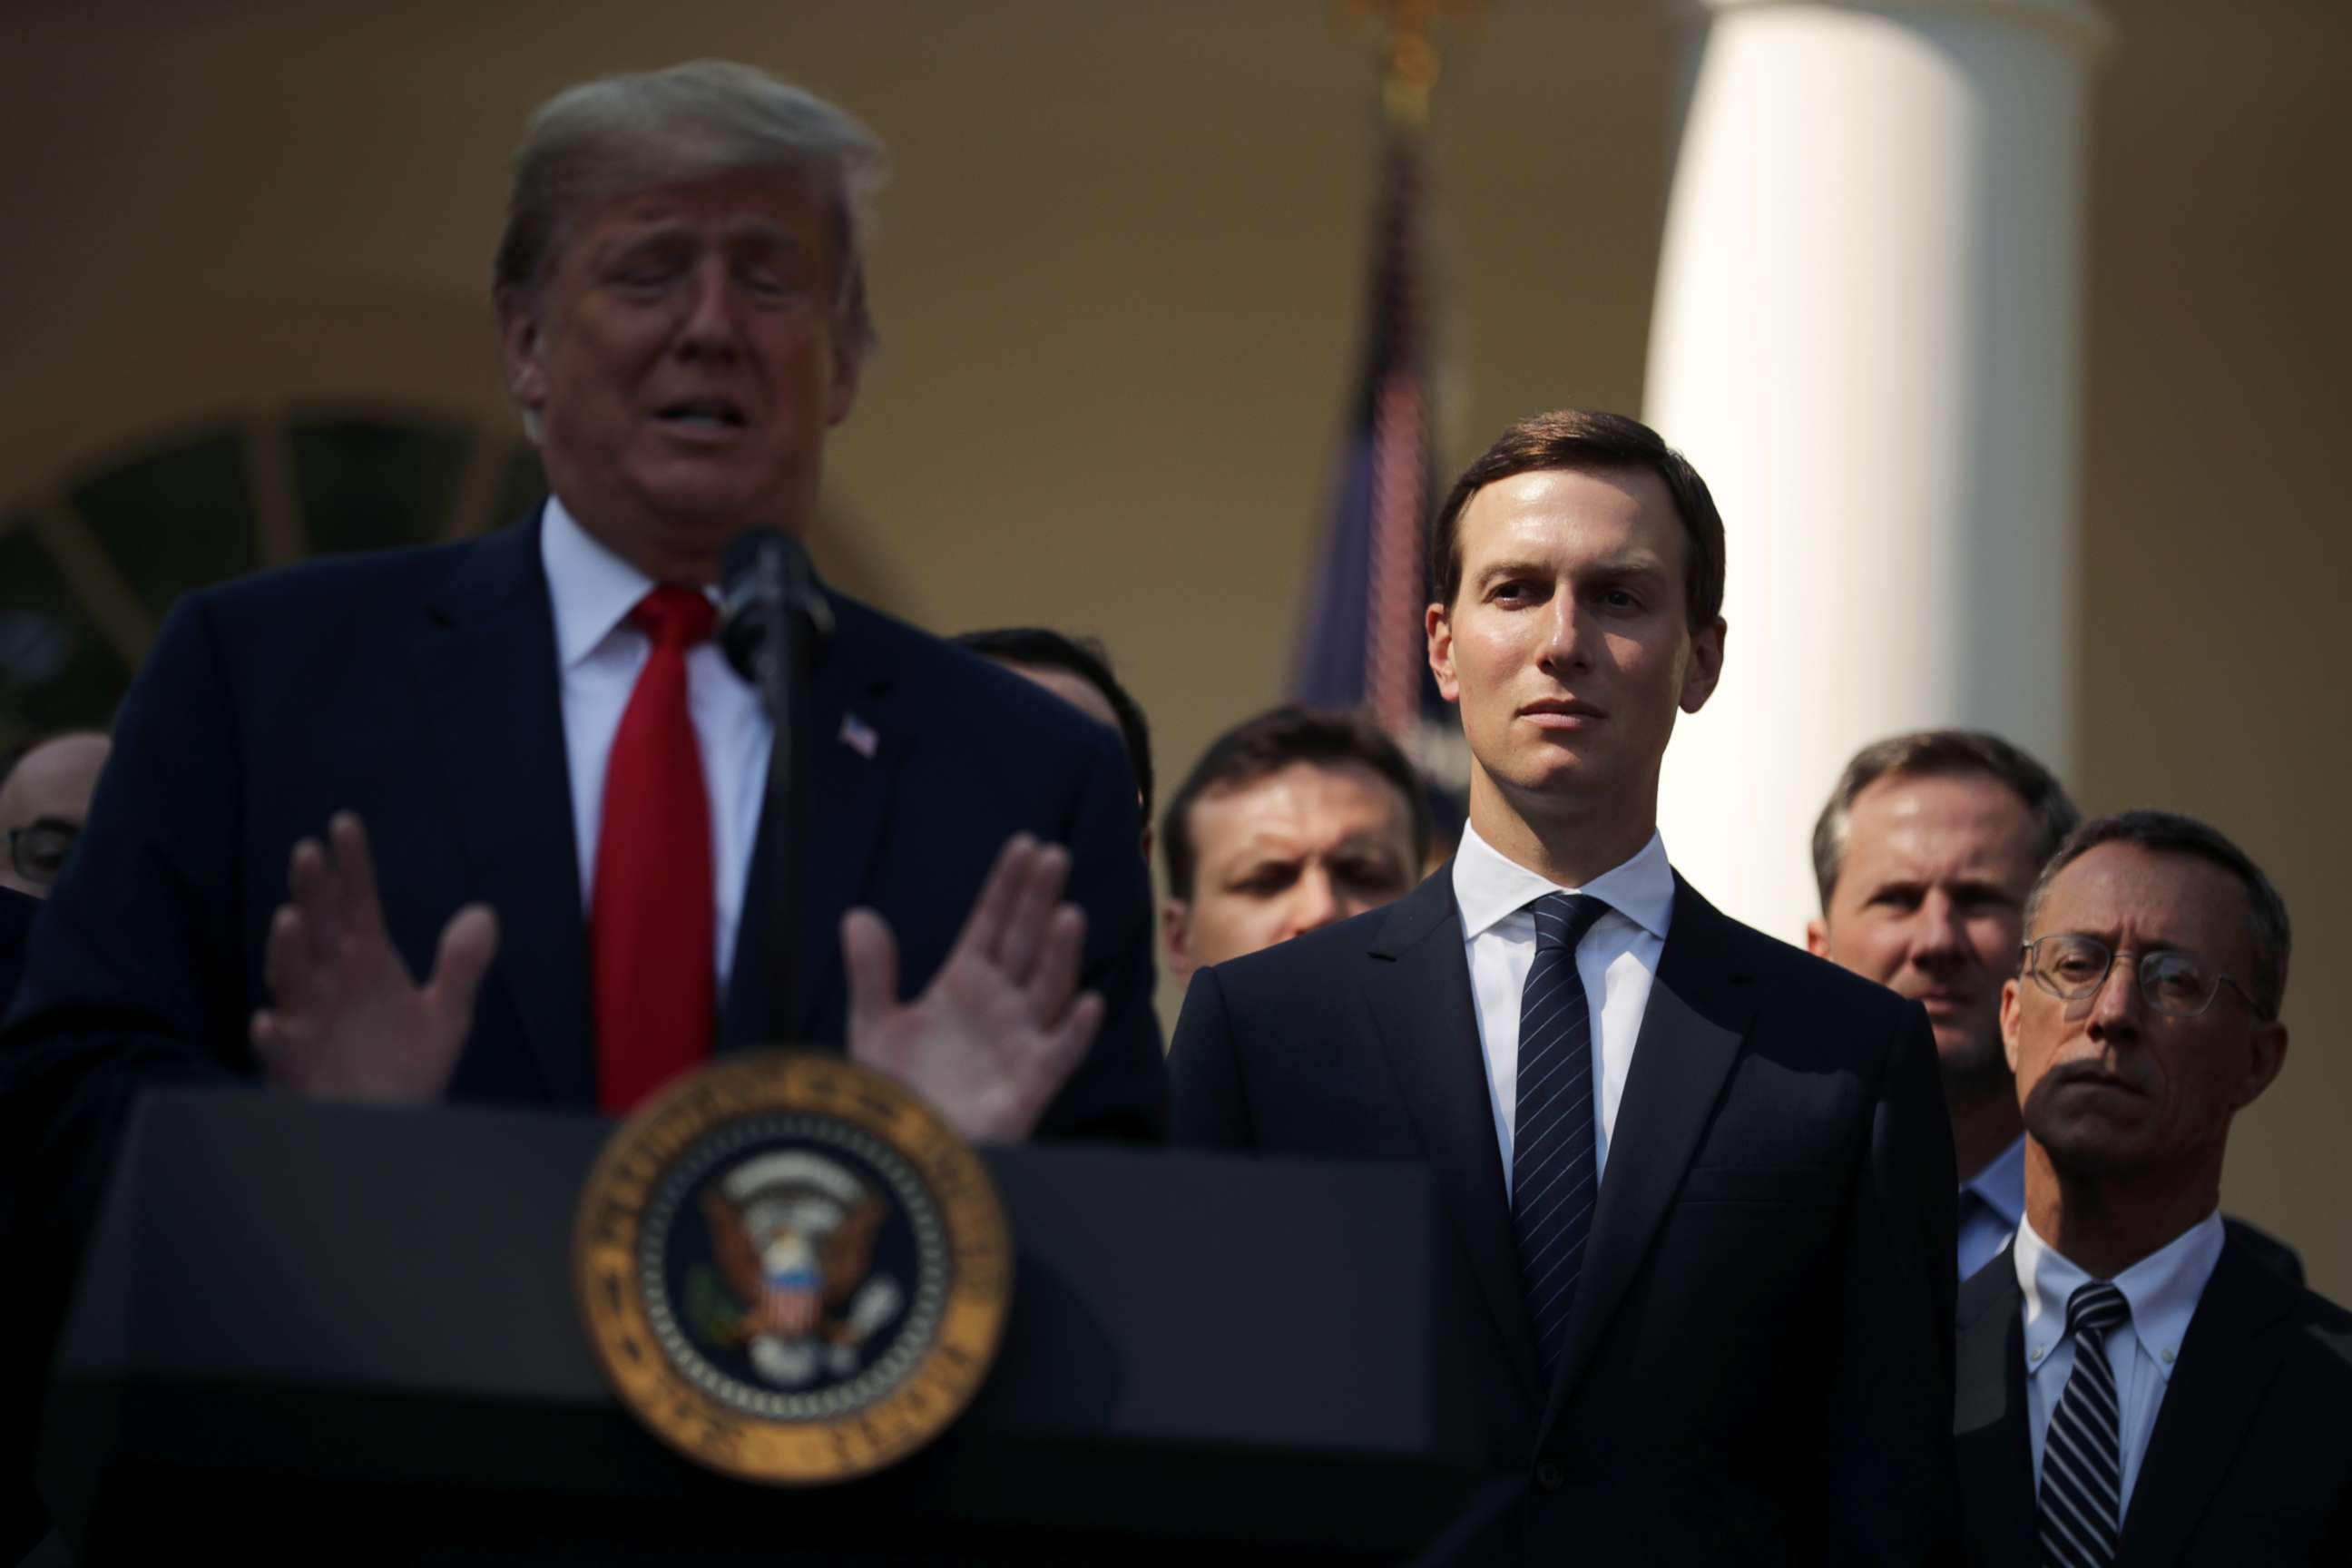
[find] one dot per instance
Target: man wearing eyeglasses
(2135, 1383)
(44, 797)
(45, 793)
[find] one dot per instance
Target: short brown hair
(1940, 753)
(1270, 741)
(1573, 438)
(2169, 833)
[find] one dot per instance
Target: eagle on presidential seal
(793, 1289)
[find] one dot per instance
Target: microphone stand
(773, 617)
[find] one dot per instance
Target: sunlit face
(47, 795)
(1930, 902)
(1302, 847)
(1566, 644)
(2110, 1085)
(683, 362)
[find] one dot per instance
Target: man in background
(2135, 1384)
(1291, 821)
(1077, 671)
(45, 790)
(1923, 856)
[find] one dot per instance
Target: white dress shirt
(598, 655)
(1617, 960)
(1987, 1223)
(2162, 1290)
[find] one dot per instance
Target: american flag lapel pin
(859, 736)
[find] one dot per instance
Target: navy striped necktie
(1555, 1168)
(2081, 1453)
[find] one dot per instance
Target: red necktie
(650, 921)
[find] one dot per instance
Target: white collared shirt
(1987, 1225)
(2162, 1290)
(598, 656)
(1617, 960)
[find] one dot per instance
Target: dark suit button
(1548, 1477)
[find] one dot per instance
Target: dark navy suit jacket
(16, 913)
(1758, 1366)
(419, 689)
(2250, 1460)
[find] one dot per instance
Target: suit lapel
(485, 665)
(1420, 1000)
(857, 741)
(2226, 1365)
(1700, 1002)
(1994, 1447)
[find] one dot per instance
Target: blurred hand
(1003, 1023)
(349, 1022)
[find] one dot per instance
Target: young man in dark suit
(2138, 1384)
(1699, 1183)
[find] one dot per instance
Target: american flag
(859, 736)
(1362, 641)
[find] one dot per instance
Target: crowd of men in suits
(480, 822)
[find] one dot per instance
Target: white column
(1868, 336)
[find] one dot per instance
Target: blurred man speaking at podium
(519, 784)
(1699, 1183)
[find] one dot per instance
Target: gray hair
(1933, 753)
(621, 134)
(2169, 833)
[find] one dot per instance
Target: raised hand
(349, 1022)
(1003, 1023)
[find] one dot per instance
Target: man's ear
(1176, 939)
(1439, 627)
(2012, 1010)
(519, 345)
(1705, 666)
(847, 368)
(1817, 937)
(2266, 1054)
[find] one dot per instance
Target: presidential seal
(792, 1270)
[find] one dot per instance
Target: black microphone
(763, 575)
(770, 614)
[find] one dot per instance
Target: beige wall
(1118, 283)
(2215, 558)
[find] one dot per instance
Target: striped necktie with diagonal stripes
(1555, 1169)
(2082, 1454)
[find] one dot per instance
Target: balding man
(45, 790)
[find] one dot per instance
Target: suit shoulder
(964, 688)
(1814, 983)
(337, 580)
(1289, 970)
(2327, 1330)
